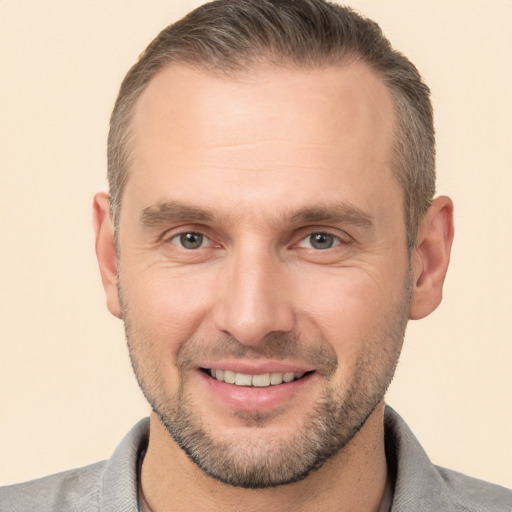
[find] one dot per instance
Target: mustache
(277, 346)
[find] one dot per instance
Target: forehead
(188, 97)
(271, 132)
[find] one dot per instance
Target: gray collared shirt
(112, 485)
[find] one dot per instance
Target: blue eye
(190, 240)
(319, 241)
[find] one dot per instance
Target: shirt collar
(416, 479)
(119, 480)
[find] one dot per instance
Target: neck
(353, 479)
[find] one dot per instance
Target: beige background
(67, 394)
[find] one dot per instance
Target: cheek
(164, 308)
(349, 309)
(347, 297)
(163, 313)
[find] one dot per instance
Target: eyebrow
(175, 211)
(333, 213)
(172, 212)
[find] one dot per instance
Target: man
(269, 230)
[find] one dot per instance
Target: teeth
(229, 376)
(262, 381)
(276, 378)
(241, 379)
(288, 377)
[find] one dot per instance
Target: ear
(430, 257)
(106, 251)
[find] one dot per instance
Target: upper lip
(255, 367)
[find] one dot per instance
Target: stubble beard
(260, 462)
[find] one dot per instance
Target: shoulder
(473, 495)
(110, 485)
(420, 485)
(73, 490)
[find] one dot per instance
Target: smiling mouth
(261, 381)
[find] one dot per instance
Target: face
(264, 274)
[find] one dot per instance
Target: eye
(190, 241)
(319, 241)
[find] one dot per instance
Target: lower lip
(251, 398)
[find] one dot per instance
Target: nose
(253, 298)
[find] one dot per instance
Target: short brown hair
(232, 36)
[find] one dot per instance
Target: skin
(267, 156)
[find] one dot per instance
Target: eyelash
(187, 233)
(337, 240)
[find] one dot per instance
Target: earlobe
(430, 257)
(106, 251)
